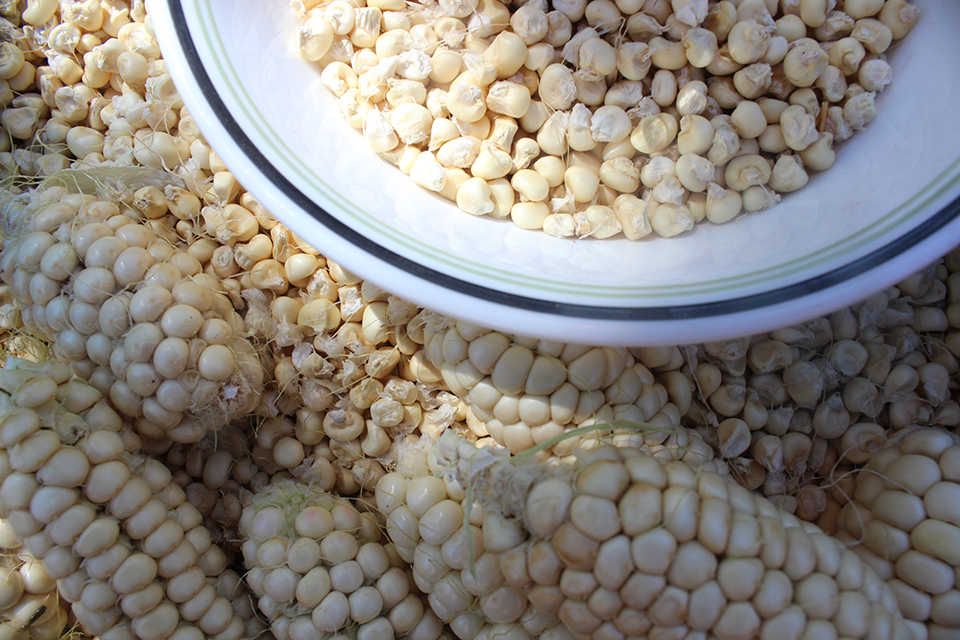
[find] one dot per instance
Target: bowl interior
(888, 180)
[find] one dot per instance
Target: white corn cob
(318, 567)
(127, 550)
(132, 314)
(626, 544)
(904, 520)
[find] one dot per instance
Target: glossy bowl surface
(890, 205)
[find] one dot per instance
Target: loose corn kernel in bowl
(513, 86)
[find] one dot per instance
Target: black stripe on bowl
(614, 314)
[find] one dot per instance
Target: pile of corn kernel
(209, 430)
(596, 118)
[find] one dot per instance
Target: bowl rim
(914, 241)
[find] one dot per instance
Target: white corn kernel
(571, 50)
(846, 54)
(642, 26)
(427, 173)
(756, 10)
(720, 19)
(597, 58)
(507, 53)
(747, 41)
(405, 91)
(791, 27)
(697, 204)
(772, 141)
(654, 133)
(663, 88)
(833, 84)
(620, 174)
(758, 198)
(338, 78)
(701, 47)
(692, 98)
(746, 171)
(579, 137)
(503, 197)
(899, 16)
(837, 25)
(529, 215)
(722, 205)
(559, 29)
(857, 9)
(539, 57)
(414, 64)
(603, 15)
(459, 152)
(610, 124)
(445, 65)
(860, 110)
(772, 109)
(669, 191)
(749, 120)
(465, 98)
(474, 197)
(695, 136)
(353, 107)
(552, 169)
(589, 92)
(503, 130)
(634, 60)
(530, 23)
(407, 157)
(723, 92)
(819, 156)
(582, 183)
(597, 221)
(491, 162)
(666, 54)
(534, 118)
(316, 36)
(366, 28)
(814, 12)
(805, 62)
(808, 99)
(489, 18)
(788, 175)
(411, 122)
(658, 168)
(341, 15)
(378, 131)
(552, 136)
(525, 150)
(508, 98)
(669, 220)
(442, 130)
(695, 172)
(560, 225)
(875, 75)
(873, 34)
(530, 185)
(557, 88)
(628, 94)
(632, 212)
(754, 80)
(777, 49)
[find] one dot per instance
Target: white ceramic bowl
(887, 208)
